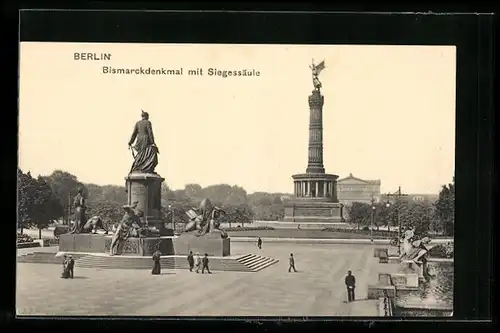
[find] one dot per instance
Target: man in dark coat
(291, 265)
(350, 282)
(205, 264)
(156, 259)
(190, 260)
(71, 265)
(146, 159)
(259, 243)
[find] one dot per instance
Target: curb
(325, 240)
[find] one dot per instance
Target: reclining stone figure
(93, 224)
(413, 249)
(204, 219)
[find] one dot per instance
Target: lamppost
(398, 196)
(170, 208)
(69, 209)
(372, 218)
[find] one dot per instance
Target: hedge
(247, 228)
(27, 245)
(364, 231)
(442, 251)
(22, 238)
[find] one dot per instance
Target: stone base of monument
(409, 267)
(313, 211)
(211, 243)
(95, 243)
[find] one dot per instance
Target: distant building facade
(353, 189)
(417, 198)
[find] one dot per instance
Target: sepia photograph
(236, 180)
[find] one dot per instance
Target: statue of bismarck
(146, 151)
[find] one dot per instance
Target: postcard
(236, 180)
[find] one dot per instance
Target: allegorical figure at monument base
(205, 219)
(146, 151)
(80, 212)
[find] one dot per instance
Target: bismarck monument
(315, 192)
(142, 229)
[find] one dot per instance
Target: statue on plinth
(80, 208)
(316, 69)
(205, 219)
(413, 248)
(129, 226)
(146, 151)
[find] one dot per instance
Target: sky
(389, 113)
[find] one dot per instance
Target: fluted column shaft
(315, 155)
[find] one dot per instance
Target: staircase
(256, 263)
(43, 258)
(247, 263)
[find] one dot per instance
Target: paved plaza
(317, 289)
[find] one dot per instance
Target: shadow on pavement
(359, 300)
(77, 278)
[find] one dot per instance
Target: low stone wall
(28, 245)
(378, 290)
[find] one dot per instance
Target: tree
(237, 196)
(359, 213)
(382, 214)
(46, 207)
(25, 195)
(109, 211)
(417, 216)
(444, 218)
(237, 214)
(64, 186)
(193, 191)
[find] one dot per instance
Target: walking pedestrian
(205, 265)
(65, 271)
(259, 243)
(71, 265)
(198, 262)
(292, 263)
(156, 258)
(350, 282)
(190, 260)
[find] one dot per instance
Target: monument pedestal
(211, 244)
(313, 211)
(145, 189)
(92, 243)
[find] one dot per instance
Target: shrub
(364, 231)
(22, 238)
(442, 251)
(240, 228)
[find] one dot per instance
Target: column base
(313, 211)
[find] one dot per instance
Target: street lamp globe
(388, 205)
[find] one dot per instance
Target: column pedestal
(323, 206)
(145, 188)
